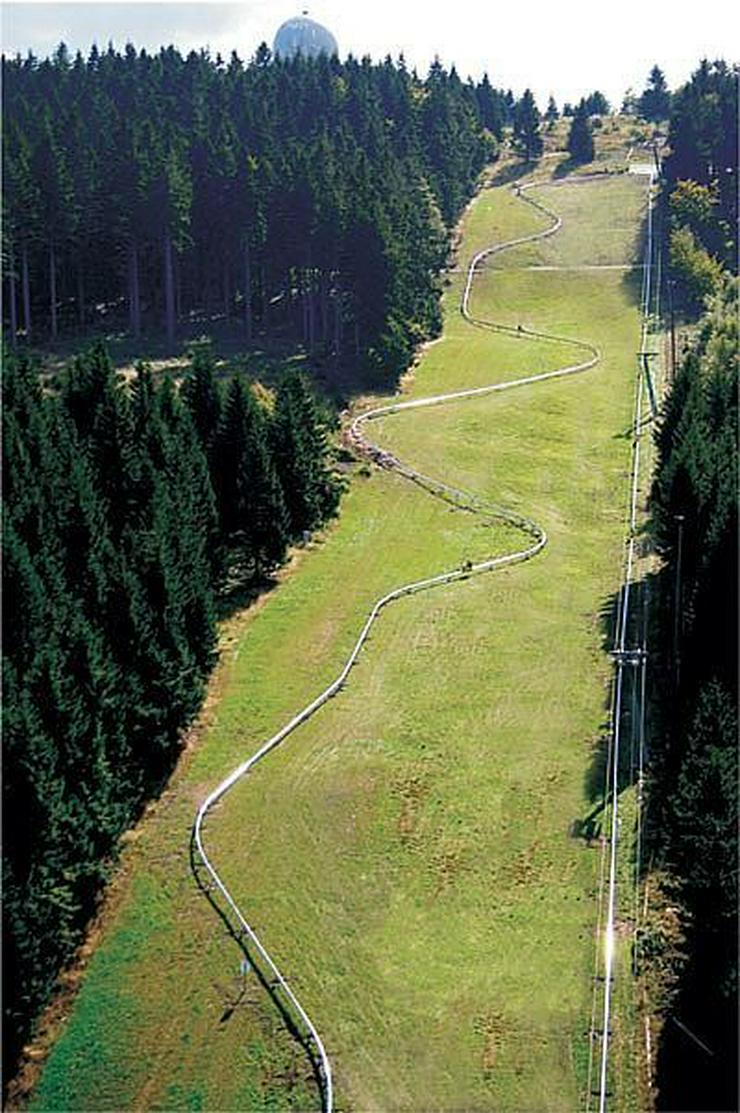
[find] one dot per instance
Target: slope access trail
(292, 1010)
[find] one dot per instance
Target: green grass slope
(406, 855)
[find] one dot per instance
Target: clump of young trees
(128, 508)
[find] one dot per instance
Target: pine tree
(580, 137)
(202, 396)
(551, 113)
(21, 208)
(98, 408)
(251, 506)
(196, 535)
(299, 450)
(655, 102)
(527, 135)
(491, 107)
(56, 205)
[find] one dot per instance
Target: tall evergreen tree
(56, 205)
(491, 107)
(527, 135)
(202, 396)
(300, 456)
(251, 505)
(655, 101)
(551, 113)
(580, 136)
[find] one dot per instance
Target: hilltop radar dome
(304, 35)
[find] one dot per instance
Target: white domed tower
(305, 36)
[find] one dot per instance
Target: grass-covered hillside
(406, 857)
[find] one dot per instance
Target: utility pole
(677, 602)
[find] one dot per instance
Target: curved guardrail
(270, 974)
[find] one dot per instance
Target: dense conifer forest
(130, 510)
(312, 197)
(694, 760)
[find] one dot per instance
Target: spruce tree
(202, 396)
(580, 137)
(56, 209)
(655, 102)
(527, 135)
(299, 450)
(491, 107)
(251, 505)
(551, 113)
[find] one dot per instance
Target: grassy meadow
(406, 856)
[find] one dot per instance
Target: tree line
(311, 197)
(129, 508)
(693, 796)
(701, 194)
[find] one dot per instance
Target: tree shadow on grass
(510, 172)
(633, 278)
(565, 167)
(630, 727)
(337, 377)
(242, 592)
(256, 962)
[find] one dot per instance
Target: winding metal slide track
(294, 1013)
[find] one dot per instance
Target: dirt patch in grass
(412, 789)
(492, 1028)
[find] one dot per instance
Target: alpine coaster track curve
(293, 1012)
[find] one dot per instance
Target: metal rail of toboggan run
(286, 1000)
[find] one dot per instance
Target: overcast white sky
(569, 47)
